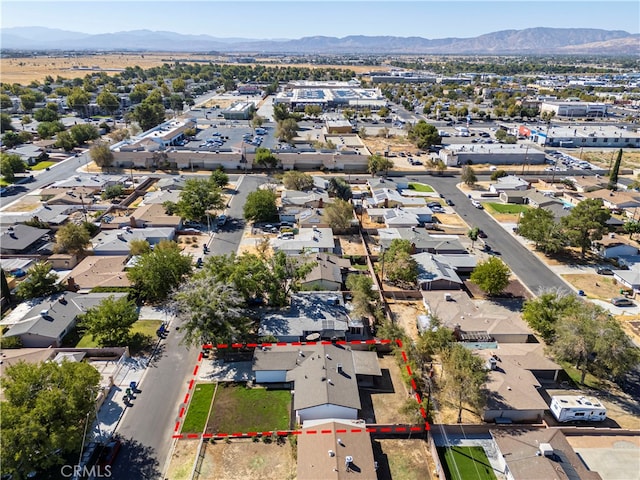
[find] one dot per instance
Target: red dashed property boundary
(380, 429)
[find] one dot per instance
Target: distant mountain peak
(537, 40)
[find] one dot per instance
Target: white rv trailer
(568, 408)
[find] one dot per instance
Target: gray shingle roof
(21, 237)
(61, 313)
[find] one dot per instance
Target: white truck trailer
(569, 408)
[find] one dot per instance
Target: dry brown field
(26, 70)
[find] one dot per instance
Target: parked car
(109, 453)
(622, 302)
(449, 202)
(481, 234)
(477, 204)
(604, 271)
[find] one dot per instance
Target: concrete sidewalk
(114, 406)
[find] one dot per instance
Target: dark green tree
(545, 311)
(260, 206)
(108, 101)
(585, 223)
(72, 238)
(109, 323)
(10, 164)
(468, 176)
(197, 198)
(492, 276)
(294, 180)
(377, 163)
(160, 271)
(101, 155)
(613, 179)
(424, 135)
(5, 122)
(40, 282)
(213, 312)
(595, 342)
(464, 377)
(219, 178)
(265, 158)
(539, 226)
(45, 411)
(339, 188)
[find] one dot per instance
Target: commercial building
(574, 109)
(239, 111)
(567, 136)
(493, 154)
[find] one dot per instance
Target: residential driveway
(617, 310)
(221, 371)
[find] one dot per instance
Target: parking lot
(230, 135)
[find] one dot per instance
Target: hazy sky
(299, 18)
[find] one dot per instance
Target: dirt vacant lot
(25, 70)
(244, 459)
(182, 460)
(402, 459)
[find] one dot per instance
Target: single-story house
(76, 196)
(96, 271)
(161, 196)
(389, 198)
(512, 389)
(311, 217)
(328, 274)
(422, 240)
(401, 217)
(539, 200)
(28, 153)
(539, 453)
(627, 200)
(312, 199)
(344, 450)
(435, 273)
(614, 247)
(325, 377)
(306, 240)
(53, 215)
(20, 238)
(472, 322)
(310, 313)
(171, 183)
(154, 215)
(510, 182)
(116, 242)
(629, 278)
(513, 196)
(46, 321)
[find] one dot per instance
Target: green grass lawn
(421, 187)
(507, 208)
(461, 463)
(141, 330)
(240, 409)
(196, 418)
(42, 165)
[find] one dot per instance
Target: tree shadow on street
(136, 461)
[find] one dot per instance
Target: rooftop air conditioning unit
(546, 449)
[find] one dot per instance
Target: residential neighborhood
(361, 266)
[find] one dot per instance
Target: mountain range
(530, 41)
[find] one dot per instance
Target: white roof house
(307, 240)
(117, 242)
(510, 182)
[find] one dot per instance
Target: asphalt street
(147, 427)
(534, 274)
